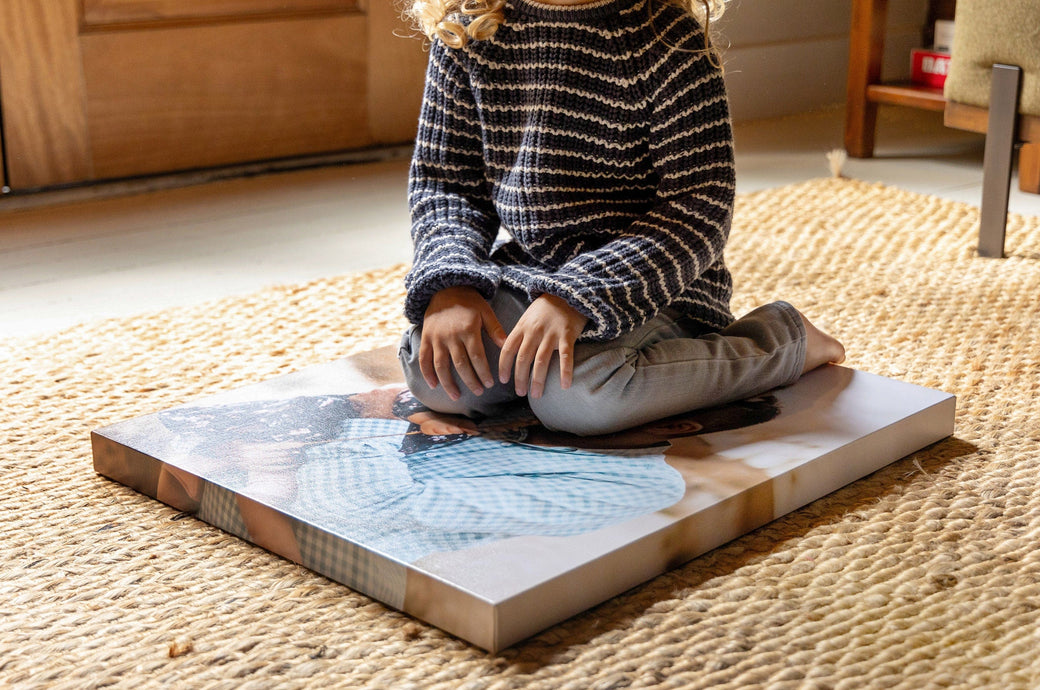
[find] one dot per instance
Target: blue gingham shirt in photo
(450, 496)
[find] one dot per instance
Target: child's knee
(595, 403)
(408, 354)
(579, 412)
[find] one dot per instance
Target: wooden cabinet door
(97, 89)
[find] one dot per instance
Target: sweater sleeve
(453, 219)
(667, 250)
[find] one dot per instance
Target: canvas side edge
(597, 581)
(140, 472)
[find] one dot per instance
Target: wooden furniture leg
(996, 166)
(1029, 168)
(866, 48)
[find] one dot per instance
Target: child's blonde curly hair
(439, 19)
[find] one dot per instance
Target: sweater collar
(592, 10)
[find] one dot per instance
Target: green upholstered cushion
(989, 32)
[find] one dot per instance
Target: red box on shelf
(929, 68)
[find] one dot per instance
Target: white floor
(64, 261)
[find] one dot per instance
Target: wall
(791, 56)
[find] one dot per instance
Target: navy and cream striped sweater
(597, 137)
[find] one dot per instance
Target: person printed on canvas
(407, 482)
(571, 193)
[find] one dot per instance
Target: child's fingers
(540, 368)
(442, 364)
(566, 350)
(461, 360)
(447, 428)
(493, 327)
(479, 361)
(426, 366)
(506, 357)
(525, 359)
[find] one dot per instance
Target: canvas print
(498, 534)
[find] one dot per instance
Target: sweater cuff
(422, 288)
(603, 322)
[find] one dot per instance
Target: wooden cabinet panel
(41, 93)
(104, 13)
(176, 98)
(96, 89)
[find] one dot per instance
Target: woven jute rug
(925, 574)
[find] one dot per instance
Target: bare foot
(820, 348)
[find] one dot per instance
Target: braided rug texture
(924, 574)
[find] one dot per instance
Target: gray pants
(661, 369)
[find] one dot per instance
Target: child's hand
(549, 325)
(437, 424)
(452, 334)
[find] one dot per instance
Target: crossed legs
(658, 370)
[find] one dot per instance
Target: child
(594, 135)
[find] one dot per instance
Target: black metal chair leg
(1000, 147)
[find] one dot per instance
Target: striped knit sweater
(597, 137)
